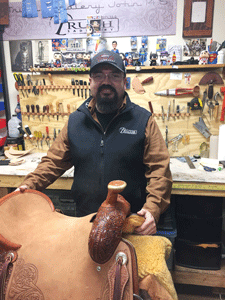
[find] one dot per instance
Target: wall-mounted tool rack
(60, 98)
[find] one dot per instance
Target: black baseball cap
(107, 57)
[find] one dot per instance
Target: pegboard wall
(58, 98)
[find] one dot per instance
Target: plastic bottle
(12, 127)
(220, 57)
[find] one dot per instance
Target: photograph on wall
(93, 26)
(59, 44)
(75, 45)
(41, 52)
(21, 55)
(193, 47)
(160, 45)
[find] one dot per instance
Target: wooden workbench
(186, 182)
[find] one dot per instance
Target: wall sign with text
(118, 18)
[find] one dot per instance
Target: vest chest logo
(124, 130)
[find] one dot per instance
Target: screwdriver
(68, 109)
(28, 131)
(32, 109)
(45, 85)
(81, 85)
(40, 138)
(28, 111)
(57, 110)
(44, 110)
(38, 111)
(78, 88)
(51, 110)
(73, 83)
(85, 89)
(61, 110)
(54, 135)
(22, 82)
(36, 137)
(163, 118)
(47, 137)
(47, 110)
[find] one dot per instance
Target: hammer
(222, 89)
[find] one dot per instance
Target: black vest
(100, 157)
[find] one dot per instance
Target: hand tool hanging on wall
(163, 117)
(40, 139)
(28, 111)
(78, 88)
(61, 110)
(57, 110)
(44, 111)
(47, 137)
(34, 89)
(28, 131)
(32, 110)
(38, 111)
(47, 111)
(175, 92)
(73, 83)
(175, 142)
(85, 89)
(195, 104)
(18, 83)
(202, 128)
(29, 82)
(147, 80)
(21, 131)
(44, 83)
(51, 110)
(150, 107)
(211, 77)
(216, 108)
(22, 82)
(68, 109)
(82, 88)
(36, 137)
(168, 112)
(223, 105)
(174, 109)
(166, 140)
(137, 86)
(54, 134)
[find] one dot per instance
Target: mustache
(106, 86)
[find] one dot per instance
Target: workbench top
(180, 170)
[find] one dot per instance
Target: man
(110, 138)
(114, 45)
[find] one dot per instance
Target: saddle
(46, 255)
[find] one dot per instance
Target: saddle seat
(53, 260)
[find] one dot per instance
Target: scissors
(208, 169)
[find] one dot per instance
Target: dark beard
(107, 105)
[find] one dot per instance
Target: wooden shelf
(141, 69)
(209, 278)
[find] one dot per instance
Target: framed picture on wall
(21, 55)
(198, 18)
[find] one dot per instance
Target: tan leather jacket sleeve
(53, 165)
(157, 160)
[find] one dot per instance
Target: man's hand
(21, 188)
(149, 225)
